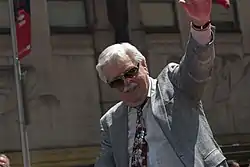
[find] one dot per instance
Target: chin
(136, 99)
(134, 104)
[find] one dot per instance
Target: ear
(144, 65)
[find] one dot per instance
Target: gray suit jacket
(177, 108)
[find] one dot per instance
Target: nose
(127, 84)
(127, 81)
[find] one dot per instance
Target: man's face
(130, 79)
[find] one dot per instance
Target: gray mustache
(129, 87)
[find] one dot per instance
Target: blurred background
(64, 97)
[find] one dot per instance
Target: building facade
(64, 96)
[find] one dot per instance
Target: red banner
(23, 27)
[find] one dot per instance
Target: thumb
(184, 4)
(224, 3)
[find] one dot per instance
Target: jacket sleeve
(105, 158)
(195, 68)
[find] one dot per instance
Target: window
(225, 20)
(4, 17)
(159, 16)
(67, 16)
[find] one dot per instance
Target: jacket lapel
(160, 113)
(159, 110)
(119, 136)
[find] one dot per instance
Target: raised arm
(195, 67)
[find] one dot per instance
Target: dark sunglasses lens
(131, 73)
(116, 83)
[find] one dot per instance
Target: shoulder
(169, 74)
(168, 71)
(167, 79)
(112, 113)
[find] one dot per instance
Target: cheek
(142, 80)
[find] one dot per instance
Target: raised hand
(198, 10)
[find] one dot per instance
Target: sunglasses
(118, 82)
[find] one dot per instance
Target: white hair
(117, 52)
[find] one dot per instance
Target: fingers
(224, 3)
(183, 2)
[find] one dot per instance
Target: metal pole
(18, 77)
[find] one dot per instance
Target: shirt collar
(151, 86)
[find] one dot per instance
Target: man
(160, 122)
(4, 161)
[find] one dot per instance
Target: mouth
(131, 90)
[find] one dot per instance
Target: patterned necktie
(140, 148)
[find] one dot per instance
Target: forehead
(117, 67)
